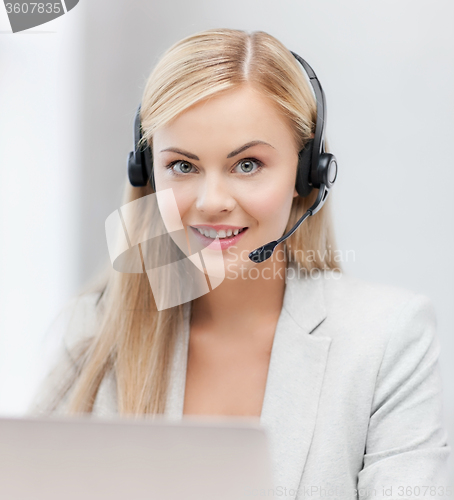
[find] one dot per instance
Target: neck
(251, 299)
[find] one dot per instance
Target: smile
(227, 237)
(222, 233)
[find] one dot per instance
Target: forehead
(234, 117)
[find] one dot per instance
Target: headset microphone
(316, 168)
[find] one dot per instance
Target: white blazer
(353, 401)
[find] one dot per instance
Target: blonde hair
(133, 338)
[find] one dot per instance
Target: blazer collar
(295, 375)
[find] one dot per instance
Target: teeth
(221, 234)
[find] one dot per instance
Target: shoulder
(375, 317)
(349, 306)
(75, 322)
(351, 297)
(348, 299)
(359, 315)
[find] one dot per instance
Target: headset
(316, 168)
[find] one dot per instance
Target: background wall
(68, 93)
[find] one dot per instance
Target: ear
(295, 193)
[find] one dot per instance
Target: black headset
(316, 168)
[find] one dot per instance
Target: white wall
(39, 189)
(387, 71)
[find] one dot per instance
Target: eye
(247, 166)
(185, 167)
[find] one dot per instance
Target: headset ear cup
(135, 171)
(327, 170)
(303, 187)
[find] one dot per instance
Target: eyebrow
(230, 155)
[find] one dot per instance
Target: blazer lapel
(295, 376)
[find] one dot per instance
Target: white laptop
(84, 458)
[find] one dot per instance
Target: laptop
(83, 458)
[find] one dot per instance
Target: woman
(343, 373)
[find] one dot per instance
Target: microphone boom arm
(263, 253)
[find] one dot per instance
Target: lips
(217, 227)
(222, 242)
(221, 231)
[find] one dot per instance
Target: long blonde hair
(133, 338)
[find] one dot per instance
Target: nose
(213, 195)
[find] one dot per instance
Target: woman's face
(231, 161)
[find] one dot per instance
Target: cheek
(270, 207)
(185, 201)
(181, 196)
